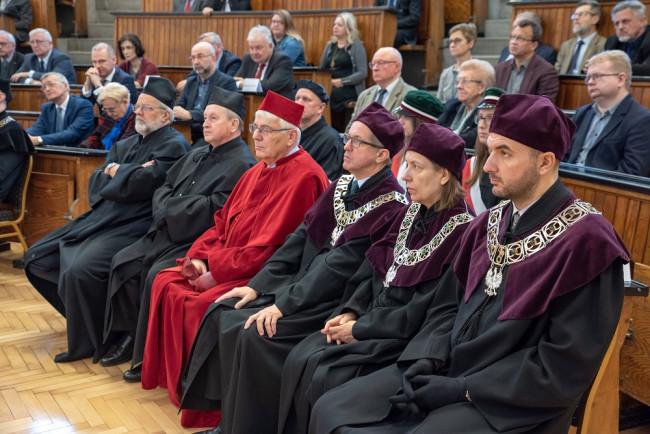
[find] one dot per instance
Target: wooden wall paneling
(573, 92)
(8, 23)
(28, 97)
(44, 16)
(635, 352)
(457, 11)
(26, 119)
(80, 18)
(48, 202)
(157, 5)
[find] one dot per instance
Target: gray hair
(262, 31)
(484, 69)
(57, 76)
(620, 63)
(39, 30)
(113, 90)
(214, 38)
(637, 8)
(8, 35)
(283, 124)
(104, 46)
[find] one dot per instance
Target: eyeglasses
(456, 41)
(107, 110)
(265, 130)
(4, 44)
(486, 119)
(466, 81)
(580, 15)
(520, 38)
(49, 84)
(380, 63)
(598, 76)
(356, 142)
(146, 108)
(38, 42)
(199, 57)
(277, 22)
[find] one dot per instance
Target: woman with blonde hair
(345, 57)
(286, 38)
(117, 120)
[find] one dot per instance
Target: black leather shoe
(122, 353)
(133, 375)
(216, 430)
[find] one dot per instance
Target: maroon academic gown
(266, 205)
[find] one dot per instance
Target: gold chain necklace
(502, 255)
(402, 255)
(345, 218)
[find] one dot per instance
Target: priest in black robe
(539, 287)
(70, 266)
(371, 328)
(322, 141)
(15, 144)
(196, 187)
(298, 287)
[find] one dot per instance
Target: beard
(143, 127)
(520, 188)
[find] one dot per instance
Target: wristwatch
(39, 139)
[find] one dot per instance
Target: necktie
(41, 66)
(514, 221)
(226, 6)
(260, 69)
(574, 59)
(4, 69)
(354, 187)
(380, 96)
(59, 119)
(188, 5)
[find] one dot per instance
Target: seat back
(18, 193)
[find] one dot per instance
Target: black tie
(41, 66)
(574, 58)
(380, 96)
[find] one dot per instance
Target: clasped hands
(339, 329)
(196, 272)
(423, 391)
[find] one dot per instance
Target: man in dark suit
(192, 101)
(66, 120)
(10, 59)
(408, 18)
(104, 71)
(546, 52)
(21, 10)
(207, 6)
(632, 35)
(613, 131)
(274, 70)
(44, 58)
(527, 72)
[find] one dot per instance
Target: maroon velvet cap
(384, 126)
(283, 108)
(440, 145)
(533, 121)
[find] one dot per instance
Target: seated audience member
(322, 142)
(266, 205)
(273, 69)
(299, 286)
(105, 71)
(117, 120)
(190, 104)
(474, 77)
(527, 72)
(70, 266)
(575, 52)
(632, 35)
(476, 182)
(613, 131)
(462, 38)
(227, 62)
(43, 58)
(523, 346)
(65, 120)
(389, 88)
(10, 59)
(15, 144)
(544, 51)
(345, 58)
(408, 18)
(192, 6)
(370, 329)
(418, 107)
(286, 38)
(196, 187)
(209, 6)
(21, 10)
(133, 61)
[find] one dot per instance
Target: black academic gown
(70, 266)
(183, 208)
(387, 318)
(15, 146)
(325, 146)
(305, 281)
(522, 375)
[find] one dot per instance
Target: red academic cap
(533, 121)
(283, 108)
(384, 126)
(440, 145)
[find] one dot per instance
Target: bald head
(386, 66)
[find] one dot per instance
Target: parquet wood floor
(40, 396)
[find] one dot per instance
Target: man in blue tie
(574, 53)
(44, 58)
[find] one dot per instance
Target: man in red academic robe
(267, 204)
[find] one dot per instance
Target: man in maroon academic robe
(267, 204)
